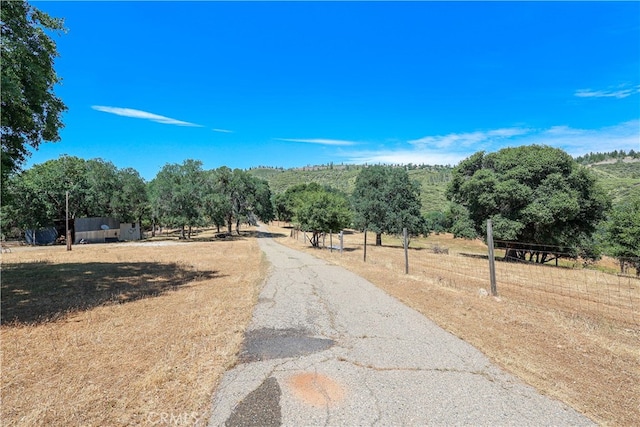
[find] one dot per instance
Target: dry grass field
(572, 334)
(139, 334)
(123, 334)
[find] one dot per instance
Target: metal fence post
(492, 261)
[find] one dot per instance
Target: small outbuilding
(42, 236)
(104, 230)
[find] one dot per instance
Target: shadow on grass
(234, 236)
(478, 256)
(40, 292)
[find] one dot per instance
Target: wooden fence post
(492, 261)
(341, 241)
(405, 242)
(365, 245)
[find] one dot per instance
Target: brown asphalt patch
(316, 389)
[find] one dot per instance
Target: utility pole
(68, 232)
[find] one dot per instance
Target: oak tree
(385, 200)
(31, 111)
(539, 200)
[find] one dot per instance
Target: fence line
(580, 291)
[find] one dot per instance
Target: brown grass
(572, 334)
(120, 334)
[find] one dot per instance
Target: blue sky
(290, 84)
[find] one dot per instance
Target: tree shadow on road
(38, 292)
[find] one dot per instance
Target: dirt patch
(573, 336)
(122, 334)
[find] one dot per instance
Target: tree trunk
(378, 239)
(511, 254)
(238, 226)
(623, 266)
(189, 232)
(218, 225)
(182, 232)
(229, 223)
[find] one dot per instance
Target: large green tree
(319, 210)
(385, 200)
(241, 197)
(538, 198)
(623, 233)
(286, 203)
(176, 195)
(215, 204)
(130, 202)
(31, 112)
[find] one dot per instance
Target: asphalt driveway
(326, 347)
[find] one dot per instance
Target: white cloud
(336, 142)
(403, 157)
(222, 130)
(452, 148)
(139, 114)
(619, 93)
(623, 136)
(467, 139)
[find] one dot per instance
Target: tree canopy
(31, 112)
(535, 195)
(386, 201)
(175, 195)
(320, 210)
(623, 233)
(238, 196)
(186, 196)
(96, 188)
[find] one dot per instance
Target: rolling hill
(620, 178)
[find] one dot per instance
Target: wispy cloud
(452, 148)
(222, 130)
(467, 139)
(404, 156)
(139, 114)
(335, 142)
(623, 136)
(619, 92)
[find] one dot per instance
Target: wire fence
(570, 287)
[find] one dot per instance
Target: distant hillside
(618, 170)
(342, 178)
(608, 157)
(433, 180)
(621, 179)
(619, 174)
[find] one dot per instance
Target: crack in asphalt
(376, 403)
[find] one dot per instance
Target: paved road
(326, 347)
